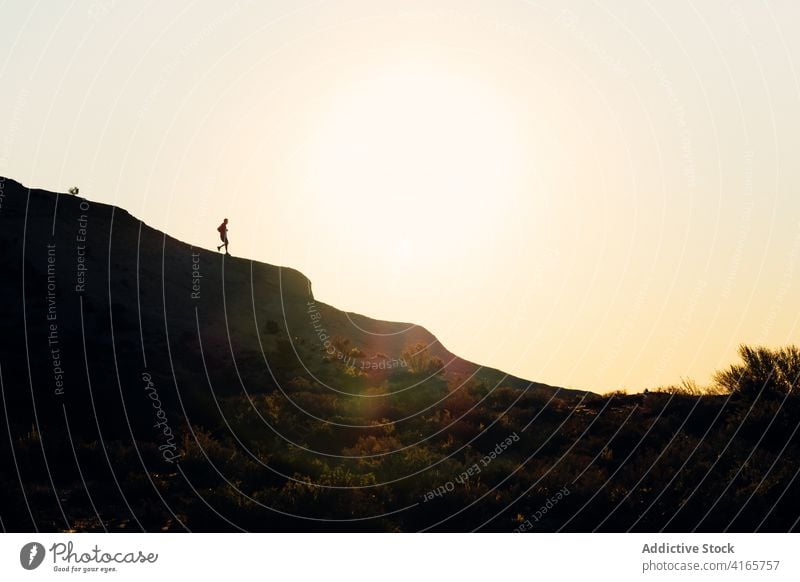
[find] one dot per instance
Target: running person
(223, 236)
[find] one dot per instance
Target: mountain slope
(115, 331)
(149, 386)
(146, 297)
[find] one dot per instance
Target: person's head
(225, 221)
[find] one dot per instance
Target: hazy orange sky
(595, 195)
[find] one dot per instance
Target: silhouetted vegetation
(420, 360)
(677, 459)
(764, 372)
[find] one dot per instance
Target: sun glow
(420, 161)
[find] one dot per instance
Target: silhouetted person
(223, 236)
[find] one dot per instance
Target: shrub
(420, 360)
(763, 371)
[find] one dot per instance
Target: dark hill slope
(147, 385)
(126, 299)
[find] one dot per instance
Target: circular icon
(31, 555)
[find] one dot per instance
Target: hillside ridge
(134, 255)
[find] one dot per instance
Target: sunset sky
(592, 196)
